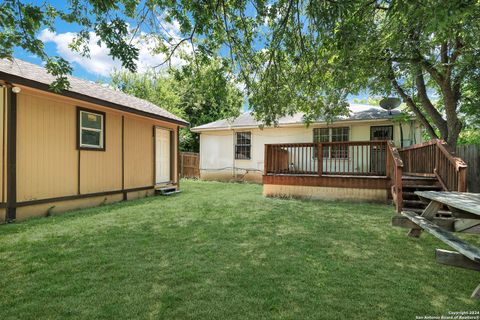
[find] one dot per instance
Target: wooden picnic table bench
(465, 208)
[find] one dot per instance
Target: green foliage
(158, 88)
(20, 22)
(469, 136)
(293, 55)
(200, 92)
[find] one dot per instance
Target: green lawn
(222, 251)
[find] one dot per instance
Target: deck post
(387, 164)
(320, 158)
(398, 188)
(462, 179)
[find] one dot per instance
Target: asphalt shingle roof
(18, 70)
(358, 112)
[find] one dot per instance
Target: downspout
(413, 130)
(234, 172)
(401, 134)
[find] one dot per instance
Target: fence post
(320, 158)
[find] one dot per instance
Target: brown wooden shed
(85, 146)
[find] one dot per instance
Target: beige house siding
(217, 161)
(47, 159)
(139, 162)
(49, 165)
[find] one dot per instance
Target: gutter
(287, 125)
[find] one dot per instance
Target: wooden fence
(471, 155)
(189, 165)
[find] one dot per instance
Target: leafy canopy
(292, 55)
(201, 91)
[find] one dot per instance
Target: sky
(100, 65)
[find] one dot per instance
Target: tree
(298, 55)
(201, 91)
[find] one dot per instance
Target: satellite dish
(390, 103)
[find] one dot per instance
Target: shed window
(91, 129)
(333, 135)
(243, 145)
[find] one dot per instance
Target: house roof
(358, 112)
(28, 74)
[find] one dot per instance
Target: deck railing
(394, 172)
(357, 158)
(433, 158)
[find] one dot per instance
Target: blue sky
(100, 65)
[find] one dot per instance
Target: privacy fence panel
(189, 165)
(471, 155)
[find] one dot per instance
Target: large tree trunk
(454, 125)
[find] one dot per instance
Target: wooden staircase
(423, 167)
(411, 202)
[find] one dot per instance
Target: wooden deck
(367, 165)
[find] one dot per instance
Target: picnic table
(465, 208)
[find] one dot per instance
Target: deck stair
(412, 183)
(167, 191)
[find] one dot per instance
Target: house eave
(288, 125)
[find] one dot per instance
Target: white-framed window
(243, 145)
(333, 135)
(91, 129)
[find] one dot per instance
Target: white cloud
(100, 63)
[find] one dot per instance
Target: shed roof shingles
(32, 72)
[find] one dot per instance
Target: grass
(222, 251)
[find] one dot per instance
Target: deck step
(407, 195)
(422, 186)
(413, 177)
(468, 250)
(414, 203)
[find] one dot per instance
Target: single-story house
(82, 147)
(356, 145)
(234, 149)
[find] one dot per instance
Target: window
(333, 135)
(322, 135)
(381, 133)
(243, 145)
(91, 129)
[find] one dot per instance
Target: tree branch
(410, 103)
(427, 104)
(190, 38)
(457, 51)
(436, 75)
(444, 53)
